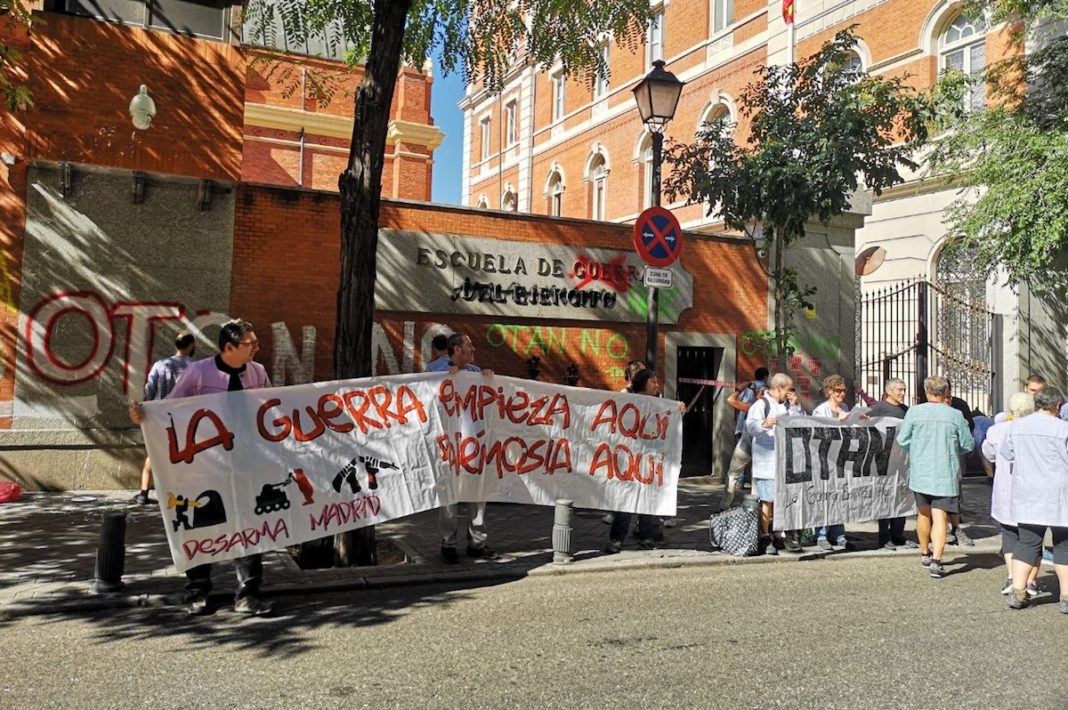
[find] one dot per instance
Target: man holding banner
(760, 423)
(935, 436)
(231, 370)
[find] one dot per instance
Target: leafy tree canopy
(1011, 160)
(14, 16)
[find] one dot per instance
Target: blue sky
(448, 158)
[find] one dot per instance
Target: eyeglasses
(251, 343)
(839, 390)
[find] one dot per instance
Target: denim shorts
(765, 489)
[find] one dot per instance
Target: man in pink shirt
(231, 370)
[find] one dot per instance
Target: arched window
(508, 202)
(854, 65)
(962, 47)
(555, 193)
(598, 179)
(483, 203)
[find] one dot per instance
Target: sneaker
(824, 544)
(767, 546)
(252, 605)
(448, 554)
(648, 544)
(613, 547)
(1063, 607)
(196, 605)
(889, 546)
(911, 545)
(143, 499)
(963, 539)
(671, 522)
(1032, 590)
(1008, 586)
(925, 560)
(793, 544)
(484, 553)
(844, 543)
(778, 543)
(936, 570)
(1015, 602)
(951, 538)
(608, 518)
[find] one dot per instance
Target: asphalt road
(864, 633)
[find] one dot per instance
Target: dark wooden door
(697, 449)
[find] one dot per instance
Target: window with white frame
(654, 38)
(722, 14)
(963, 48)
(854, 64)
(645, 155)
(559, 82)
(484, 130)
(598, 187)
(511, 123)
(600, 84)
(556, 194)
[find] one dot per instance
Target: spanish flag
(788, 11)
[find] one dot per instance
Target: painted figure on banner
(232, 369)
(460, 357)
(892, 530)
(833, 407)
(161, 380)
(936, 435)
(778, 400)
(642, 382)
(1021, 404)
(1037, 447)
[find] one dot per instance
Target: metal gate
(918, 328)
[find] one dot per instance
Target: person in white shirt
(778, 400)
(834, 407)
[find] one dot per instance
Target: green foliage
(817, 126)
(481, 39)
(16, 97)
(1010, 162)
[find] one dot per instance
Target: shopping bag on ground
(735, 531)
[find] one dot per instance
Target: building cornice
(334, 126)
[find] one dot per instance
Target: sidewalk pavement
(49, 542)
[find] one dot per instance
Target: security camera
(142, 109)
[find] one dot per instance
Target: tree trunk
(780, 363)
(361, 193)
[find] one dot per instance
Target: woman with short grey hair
(1037, 446)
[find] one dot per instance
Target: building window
(511, 123)
(184, 17)
(722, 14)
(559, 82)
(854, 65)
(556, 194)
(645, 156)
(508, 204)
(963, 48)
(483, 203)
(598, 177)
(600, 84)
(655, 38)
(484, 127)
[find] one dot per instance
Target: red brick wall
(730, 294)
(82, 98)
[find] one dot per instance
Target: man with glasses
(231, 370)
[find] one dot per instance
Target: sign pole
(652, 306)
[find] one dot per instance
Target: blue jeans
(834, 533)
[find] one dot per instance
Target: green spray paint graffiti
(543, 340)
(637, 302)
(756, 342)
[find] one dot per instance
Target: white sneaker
(1008, 587)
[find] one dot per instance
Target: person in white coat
(1037, 446)
(778, 400)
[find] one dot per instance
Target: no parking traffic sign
(658, 237)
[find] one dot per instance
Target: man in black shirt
(892, 530)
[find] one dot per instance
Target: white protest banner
(829, 472)
(251, 471)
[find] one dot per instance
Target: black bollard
(111, 555)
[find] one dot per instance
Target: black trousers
(892, 530)
(249, 577)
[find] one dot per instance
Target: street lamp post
(657, 96)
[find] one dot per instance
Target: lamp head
(142, 109)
